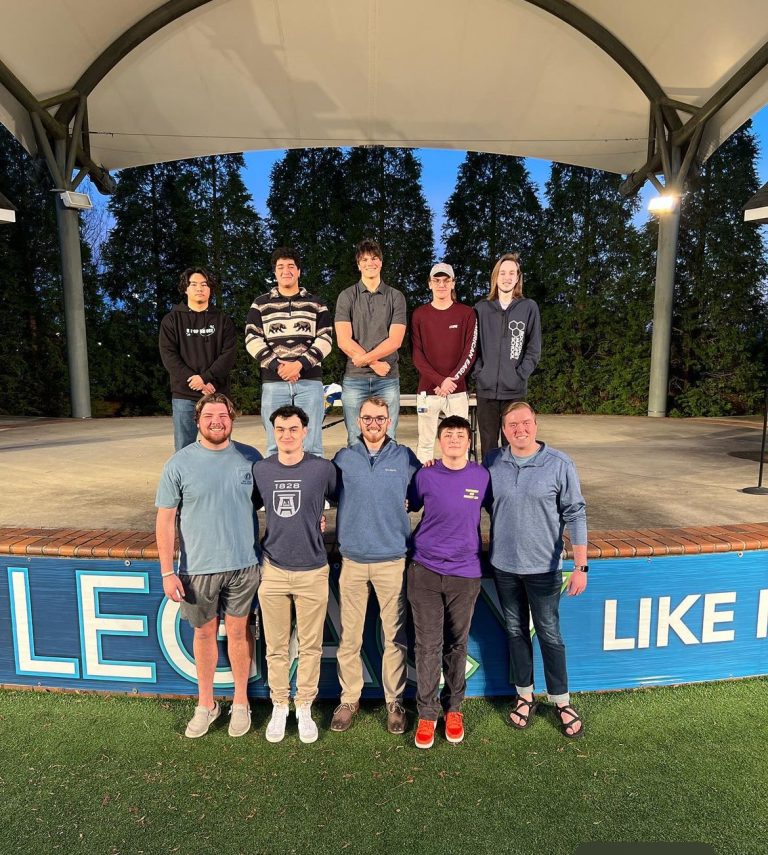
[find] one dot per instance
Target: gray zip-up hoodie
(508, 348)
(532, 504)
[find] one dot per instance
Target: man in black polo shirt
(370, 326)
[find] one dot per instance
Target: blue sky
(439, 168)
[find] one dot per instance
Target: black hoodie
(201, 343)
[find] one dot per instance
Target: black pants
(442, 608)
(489, 412)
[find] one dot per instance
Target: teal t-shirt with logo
(214, 490)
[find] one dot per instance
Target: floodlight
(663, 204)
(7, 210)
(71, 199)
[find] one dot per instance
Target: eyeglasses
(380, 420)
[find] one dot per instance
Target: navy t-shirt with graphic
(293, 499)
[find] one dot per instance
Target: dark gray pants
(442, 608)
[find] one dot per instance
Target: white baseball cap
(442, 267)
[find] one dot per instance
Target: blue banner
(105, 625)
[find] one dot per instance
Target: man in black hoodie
(197, 346)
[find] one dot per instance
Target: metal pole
(74, 310)
(760, 490)
(666, 254)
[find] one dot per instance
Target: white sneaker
(276, 727)
(239, 719)
(202, 720)
(307, 727)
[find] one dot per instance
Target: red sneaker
(425, 733)
(454, 727)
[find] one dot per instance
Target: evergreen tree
(594, 302)
(494, 209)
(718, 348)
(387, 203)
(168, 217)
(308, 205)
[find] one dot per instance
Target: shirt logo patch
(247, 478)
(453, 327)
(286, 498)
(472, 494)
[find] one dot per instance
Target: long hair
(518, 290)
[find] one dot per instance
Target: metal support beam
(666, 255)
(680, 136)
(74, 310)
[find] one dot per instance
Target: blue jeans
(307, 394)
(356, 389)
(184, 427)
(539, 595)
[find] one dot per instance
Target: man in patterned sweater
(288, 333)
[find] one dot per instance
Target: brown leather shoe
(342, 717)
(396, 718)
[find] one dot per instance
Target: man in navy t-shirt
(444, 577)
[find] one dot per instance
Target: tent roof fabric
(537, 78)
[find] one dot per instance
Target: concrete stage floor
(636, 472)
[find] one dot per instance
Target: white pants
(437, 405)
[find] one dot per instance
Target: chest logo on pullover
(517, 328)
(471, 494)
(286, 498)
(203, 332)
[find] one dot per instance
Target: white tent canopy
(508, 76)
(642, 87)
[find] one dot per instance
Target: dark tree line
(586, 262)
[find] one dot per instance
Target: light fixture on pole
(7, 210)
(663, 204)
(73, 199)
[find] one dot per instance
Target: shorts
(208, 595)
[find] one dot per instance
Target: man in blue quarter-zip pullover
(536, 494)
(373, 471)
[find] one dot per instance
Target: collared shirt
(533, 503)
(371, 314)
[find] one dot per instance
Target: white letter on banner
(610, 642)
(181, 660)
(644, 623)
(712, 616)
(27, 661)
(94, 625)
(762, 615)
(673, 620)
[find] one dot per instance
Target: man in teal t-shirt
(209, 486)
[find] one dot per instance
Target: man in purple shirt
(444, 577)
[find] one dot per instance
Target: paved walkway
(636, 472)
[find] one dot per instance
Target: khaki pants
(456, 404)
(307, 591)
(388, 581)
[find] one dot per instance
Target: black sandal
(568, 710)
(526, 717)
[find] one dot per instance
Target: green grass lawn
(82, 773)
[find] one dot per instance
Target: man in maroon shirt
(444, 338)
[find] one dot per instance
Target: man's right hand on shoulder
(172, 588)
